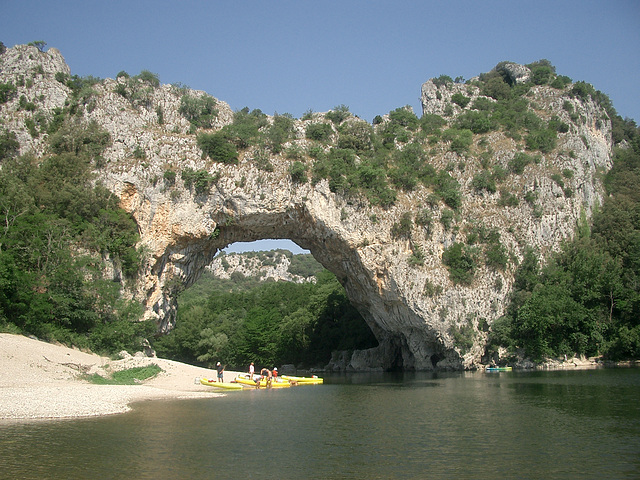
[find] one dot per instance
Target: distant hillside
(278, 265)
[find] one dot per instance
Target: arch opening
(241, 310)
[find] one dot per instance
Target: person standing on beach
(220, 370)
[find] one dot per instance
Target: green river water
(503, 425)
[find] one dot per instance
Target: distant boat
(499, 369)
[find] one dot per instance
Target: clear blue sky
(292, 56)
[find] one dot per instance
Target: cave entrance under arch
(271, 259)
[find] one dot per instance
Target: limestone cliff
(398, 282)
(274, 265)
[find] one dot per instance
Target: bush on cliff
(217, 147)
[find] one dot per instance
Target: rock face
(275, 267)
(415, 310)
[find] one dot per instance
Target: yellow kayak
(304, 380)
(227, 385)
(245, 380)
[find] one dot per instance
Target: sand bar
(43, 380)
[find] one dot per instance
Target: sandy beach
(43, 380)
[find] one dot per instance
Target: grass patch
(130, 376)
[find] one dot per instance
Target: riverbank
(42, 380)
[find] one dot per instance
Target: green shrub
(298, 172)
(417, 257)
(463, 337)
(477, 122)
(496, 256)
(543, 140)
(139, 153)
(460, 100)
(371, 178)
(356, 136)
(7, 92)
(496, 88)
(498, 173)
(39, 44)
(560, 82)
(431, 290)
(280, 131)
(448, 189)
(148, 77)
(201, 111)
(320, 132)
(519, 161)
(442, 80)
(245, 129)
(484, 181)
(9, 145)
(432, 123)
(403, 227)
(201, 180)
(508, 199)
(482, 104)
(169, 177)
(559, 126)
(460, 262)
(460, 139)
(217, 147)
(446, 218)
(404, 117)
(130, 376)
(339, 114)
(540, 75)
(424, 218)
(583, 90)
(79, 138)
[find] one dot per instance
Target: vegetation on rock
(243, 320)
(60, 225)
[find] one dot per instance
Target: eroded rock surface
(413, 308)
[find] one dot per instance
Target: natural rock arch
(413, 308)
(186, 234)
(415, 311)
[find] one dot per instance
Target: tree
(460, 100)
(200, 111)
(149, 77)
(39, 44)
(7, 92)
(9, 145)
(298, 172)
(460, 262)
(339, 114)
(217, 147)
(320, 132)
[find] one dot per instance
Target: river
(503, 425)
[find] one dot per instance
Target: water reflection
(469, 425)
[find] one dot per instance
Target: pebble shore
(40, 380)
